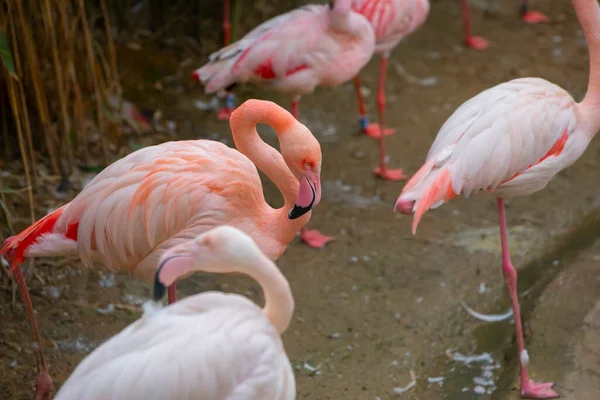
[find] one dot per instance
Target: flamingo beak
(177, 265)
(309, 194)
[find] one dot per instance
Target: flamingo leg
(226, 111)
(529, 388)
(43, 382)
(371, 130)
(311, 237)
(226, 22)
(532, 17)
(172, 294)
(473, 42)
(383, 171)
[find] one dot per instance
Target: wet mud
(378, 302)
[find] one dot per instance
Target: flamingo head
(302, 154)
(223, 249)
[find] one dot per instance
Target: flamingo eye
(307, 164)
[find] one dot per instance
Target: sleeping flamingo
(207, 346)
(293, 53)
(392, 21)
(159, 196)
(479, 43)
(511, 140)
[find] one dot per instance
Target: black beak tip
(298, 211)
(159, 288)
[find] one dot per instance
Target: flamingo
(511, 140)
(159, 196)
(479, 43)
(207, 346)
(392, 21)
(293, 53)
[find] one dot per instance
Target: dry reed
(57, 75)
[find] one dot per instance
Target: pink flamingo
(293, 53)
(392, 21)
(159, 196)
(479, 43)
(207, 346)
(511, 140)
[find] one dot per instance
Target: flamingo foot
(373, 130)
(534, 390)
(534, 17)
(43, 386)
(314, 238)
(477, 43)
(224, 114)
(390, 174)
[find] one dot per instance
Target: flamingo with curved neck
(210, 345)
(163, 195)
(228, 250)
(293, 53)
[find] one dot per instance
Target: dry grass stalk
(59, 65)
(31, 59)
(94, 71)
(62, 98)
(23, 111)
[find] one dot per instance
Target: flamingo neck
(279, 302)
(588, 14)
(265, 157)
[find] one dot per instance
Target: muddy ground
(379, 302)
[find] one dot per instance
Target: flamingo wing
(210, 346)
(509, 139)
(502, 132)
(172, 188)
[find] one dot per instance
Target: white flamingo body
(294, 52)
(211, 346)
(227, 349)
(508, 141)
(392, 20)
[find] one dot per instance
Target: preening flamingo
(293, 53)
(207, 346)
(159, 196)
(511, 140)
(479, 43)
(392, 21)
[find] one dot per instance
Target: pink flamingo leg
(311, 237)
(532, 17)
(172, 294)
(474, 42)
(43, 382)
(372, 130)
(226, 111)
(226, 23)
(529, 388)
(383, 171)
